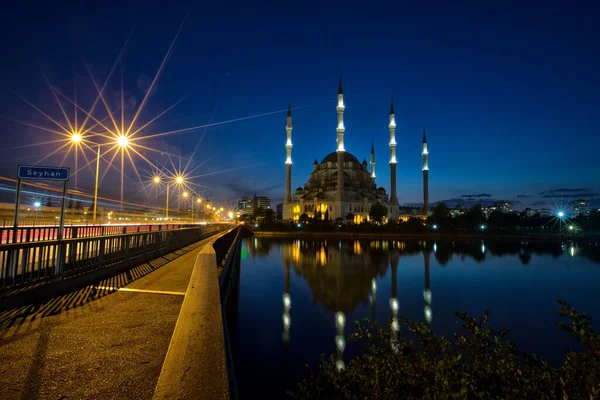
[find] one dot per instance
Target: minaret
(373, 161)
(425, 176)
(340, 152)
(288, 160)
(393, 196)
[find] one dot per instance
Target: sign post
(35, 172)
(18, 202)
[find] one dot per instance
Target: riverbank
(423, 236)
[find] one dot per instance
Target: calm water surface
(294, 295)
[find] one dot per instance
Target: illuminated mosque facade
(340, 184)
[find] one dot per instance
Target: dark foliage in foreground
(479, 364)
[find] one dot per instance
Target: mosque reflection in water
(342, 274)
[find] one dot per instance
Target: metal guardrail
(32, 262)
(38, 233)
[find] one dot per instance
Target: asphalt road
(98, 342)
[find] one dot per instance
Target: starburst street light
(156, 179)
(561, 214)
(76, 137)
(179, 179)
(123, 141)
(185, 194)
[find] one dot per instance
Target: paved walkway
(98, 342)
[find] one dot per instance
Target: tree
(303, 218)
(78, 205)
(440, 214)
(259, 212)
(70, 206)
(48, 201)
(269, 216)
(349, 217)
(378, 212)
(327, 215)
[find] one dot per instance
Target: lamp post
(96, 186)
(185, 196)
(198, 201)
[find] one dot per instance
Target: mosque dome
(333, 158)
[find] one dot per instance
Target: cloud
(477, 195)
(564, 190)
(572, 196)
(540, 203)
(523, 196)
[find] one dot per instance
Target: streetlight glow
(156, 179)
(123, 141)
(571, 227)
(561, 214)
(37, 204)
(179, 179)
(199, 201)
(76, 138)
(185, 194)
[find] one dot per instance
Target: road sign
(46, 173)
(41, 173)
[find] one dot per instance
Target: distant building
(244, 205)
(279, 208)
(504, 206)
(529, 212)
(581, 208)
(544, 212)
(262, 201)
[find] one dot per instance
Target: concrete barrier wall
(195, 366)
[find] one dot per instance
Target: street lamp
(435, 227)
(122, 141)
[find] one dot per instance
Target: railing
(38, 233)
(31, 262)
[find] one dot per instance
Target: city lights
(156, 179)
(185, 194)
(179, 179)
(37, 204)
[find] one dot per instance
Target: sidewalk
(97, 343)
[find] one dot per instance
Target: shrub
(480, 363)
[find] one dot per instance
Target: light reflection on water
(299, 298)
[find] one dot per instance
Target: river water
(298, 298)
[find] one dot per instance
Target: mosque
(341, 185)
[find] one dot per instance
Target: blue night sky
(509, 92)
